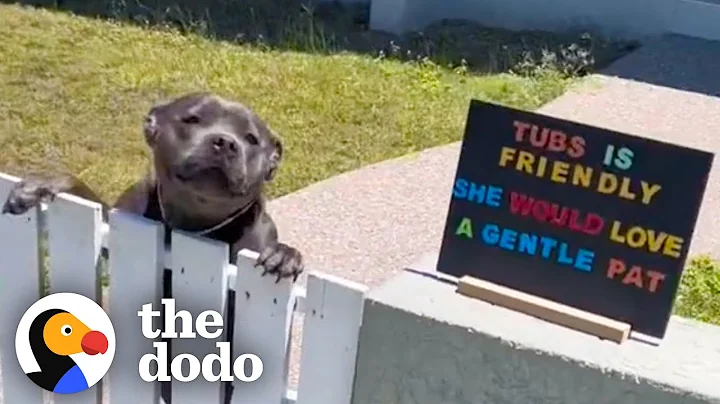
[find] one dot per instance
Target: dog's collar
(204, 232)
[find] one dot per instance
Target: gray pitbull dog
(212, 158)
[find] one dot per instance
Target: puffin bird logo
(69, 353)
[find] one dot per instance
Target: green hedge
(699, 295)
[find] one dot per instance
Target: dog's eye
(252, 139)
(190, 119)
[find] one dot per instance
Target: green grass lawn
(74, 91)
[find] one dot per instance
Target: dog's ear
(273, 148)
(150, 126)
(274, 157)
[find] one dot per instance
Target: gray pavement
(673, 61)
(367, 224)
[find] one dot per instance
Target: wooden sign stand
(545, 309)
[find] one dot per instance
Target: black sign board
(580, 215)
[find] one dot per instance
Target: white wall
(436, 346)
(626, 18)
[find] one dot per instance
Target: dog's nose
(224, 144)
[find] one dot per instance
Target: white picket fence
(201, 280)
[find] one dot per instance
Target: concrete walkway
(367, 224)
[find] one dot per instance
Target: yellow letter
(625, 189)
(656, 240)
(615, 233)
(673, 244)
(636, 237)
(525, 161)
(648, 191)
(559, 172)
(582, 175)
(542, 165)
(607, 184)
(465, 228)
(506, 154)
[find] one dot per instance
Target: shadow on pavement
(675, 61)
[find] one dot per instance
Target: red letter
(574, 217)
(520, 202)
(559, 215)
(557, 141)
(594, 224)
(634, 277)
(540, 210)
(520, 129)
(540, 140)
(577, 147)
(655, 279)
(616, 267)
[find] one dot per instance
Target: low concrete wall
(622, 18)
(422, 343)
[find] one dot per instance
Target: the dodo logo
(65, 343)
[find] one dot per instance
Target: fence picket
(199, 283)
(135, 267)
(333, 314)
(19, 289)
(201, 279)
(74, 244)
(262, 316)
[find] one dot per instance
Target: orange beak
(94, 343)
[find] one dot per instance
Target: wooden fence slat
(136, 268)
(19, 289)
(75, 240)
(333, 315)
(74, 244)
(199, 283)
(262, 319)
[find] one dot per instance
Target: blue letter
(528, 243)
(507, 239)
(547, 245)
(563, 255)
(490, 234)
(460, 190)
(477, 193)
(584, 260)
(494, 195)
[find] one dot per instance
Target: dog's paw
(282, 261)
(28, 194)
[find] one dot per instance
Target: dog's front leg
(282, 261)
(36, 189)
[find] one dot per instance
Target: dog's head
(212, 147)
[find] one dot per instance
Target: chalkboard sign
(580, 215)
